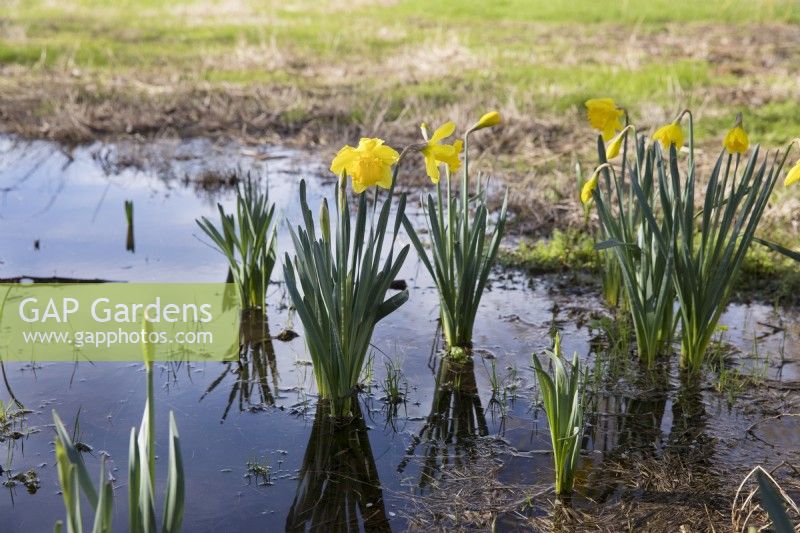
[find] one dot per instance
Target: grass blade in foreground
(338, 281)
(562, 396)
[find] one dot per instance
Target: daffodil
(613, 148)
(670, 134)
(793, 176)
(588, 188)
(604, 116)
(492, 118)
(436, 153)
(736, 141)
(368, 164)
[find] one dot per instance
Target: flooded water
(257, 452)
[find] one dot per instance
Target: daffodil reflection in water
(456, 419)
(255, 372)
(338, 487)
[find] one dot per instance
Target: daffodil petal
(387, 154)
(444, 131)
(668, 135)
(343, 158)
(358, 185)
(432, 168)
(385, 181)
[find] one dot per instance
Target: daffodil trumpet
(736, 140)
(670, 136)
(461, 255)
(614, 146)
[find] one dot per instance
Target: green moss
(767, 274)
(764, 274)
(563, 250)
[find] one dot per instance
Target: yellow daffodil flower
(368, 164)
(793, 176)
(736, 141)
(492, 118)
(670, 134)
(588, 188)
(613, 148)
(436, 153)
(604, 116)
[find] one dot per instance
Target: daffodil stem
(691, 136)
(794, 141)
(465, 193)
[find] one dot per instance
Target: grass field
(322, 73)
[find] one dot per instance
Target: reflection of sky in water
(76, 211)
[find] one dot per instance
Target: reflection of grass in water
(254, 367)
(613, 351)
(130, 243)
(12, 429)
(338, 487)
(504, 388)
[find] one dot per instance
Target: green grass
(514, 47)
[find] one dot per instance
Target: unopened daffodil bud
(589, 187)
(325, 220)
(613, 148)
(488, 120)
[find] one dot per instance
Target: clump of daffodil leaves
(461, 253)
(339, 276)
(666, 248)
